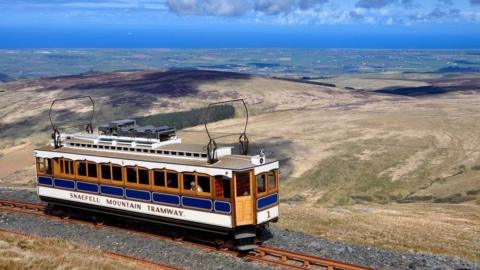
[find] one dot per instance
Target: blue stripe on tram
(267, 201)
(45, 181)
(87, 187)
(137, 194)
(62, 183)
(222, 207)
(115, 191)
(197, 203)
(166, 198)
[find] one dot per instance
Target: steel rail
(296, 260)
(262, 254)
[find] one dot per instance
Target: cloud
(272, 7)
(227, 8)
(437, 14)
(375, 4)
(355, 14)
(306, 4)
(232, 8)
(293, 12)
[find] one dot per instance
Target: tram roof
(228, 162)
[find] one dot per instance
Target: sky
(388, 24)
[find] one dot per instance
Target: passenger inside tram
(192, 187)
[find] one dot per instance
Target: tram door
(243, 198)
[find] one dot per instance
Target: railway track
(262, 254)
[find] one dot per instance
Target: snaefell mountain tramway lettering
(161, 210)
(127, 204)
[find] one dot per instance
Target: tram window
(272, 184)
(66, 166)
(48, 165)
(203, 183)
(92, 170)
(227, 191)
(131, 175)
(143, 177)
(82, 168)
(70, 167)
(261, 183)
(172, 180)
(116, 173)
(44, 165)
(105, 170)
(222, 187)
(159, 178)
(41, 165)
(243, 184)
(62, 169)
(188, 181)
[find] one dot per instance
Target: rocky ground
(362, 255)
(193, 258)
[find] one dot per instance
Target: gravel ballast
(194, 258)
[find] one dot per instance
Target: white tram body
(161, 180)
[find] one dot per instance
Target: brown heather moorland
(393, 163)
(19, 252)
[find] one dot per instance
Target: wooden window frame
(204, 193)
(62, 163)
(195, 192)
(122, 179)
(44, 161)
(188, 191)
(125, 176)
(137, 184)
(252, 183)
(179, 182)
(275, 173)
(265, 175)
(155, 187)
(149, 175)
(95, 165)
(100, 177)
(215, 186)
(86, 178)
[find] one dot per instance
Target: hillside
(338, 147)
